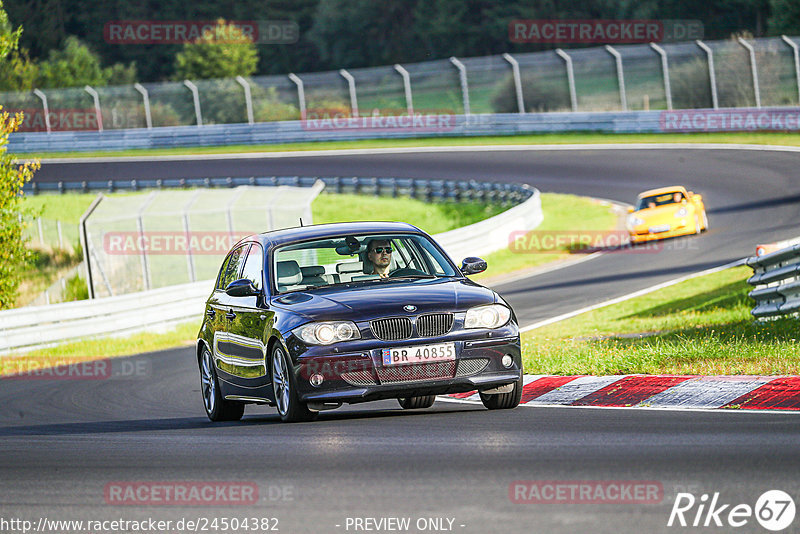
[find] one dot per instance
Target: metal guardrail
(419, 188)
(776, 277)
(40, 326)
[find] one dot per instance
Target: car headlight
(683, 212)
(327, 332)
(491, 316)
(633, 220)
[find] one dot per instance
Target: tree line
(61, 37)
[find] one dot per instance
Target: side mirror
(473, 265)
(630, 209)
(241, 288)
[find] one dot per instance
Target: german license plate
(658, 229)
(441, 352)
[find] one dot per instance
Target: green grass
(562, 214)
(757, 138)
(184, 334)
(433, 218)
(700, 326)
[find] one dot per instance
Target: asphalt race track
(64, 443)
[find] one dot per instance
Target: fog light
(507, 360)
(316, 380)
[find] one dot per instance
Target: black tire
(705, 222)
(697, 227)
(412, 403)
(504, 401)
(217, 408)
(284, 385)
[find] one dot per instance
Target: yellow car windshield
(659, 200)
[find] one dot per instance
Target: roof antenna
(301, 222)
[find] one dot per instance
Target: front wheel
(411, 403)
(504, 401)
(290, 408)
(217, 408)
(705, 222)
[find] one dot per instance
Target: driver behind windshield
(379, 253)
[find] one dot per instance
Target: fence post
(796, 54)
(664, 72)
(301, 94)
(623, 98)
(407, 88)
(89, 89)
(60, 235)
(711, 76)
(517, 82)
(45, 107)
(140, 227)
(41, 233)
(84, 237)
(196, 97)
(753, 69)
(248, 100)
(351, 85)
(187, 232)
(148, 120)
(462, 73)
(573, 97)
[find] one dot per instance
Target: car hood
(660, 212)
(366, 301)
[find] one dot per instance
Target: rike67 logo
(774, 510)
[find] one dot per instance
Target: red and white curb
(658, 391)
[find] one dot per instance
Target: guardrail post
(301, 94)
(517, 82)
(84, 237)
(573, 97)
(196, 97)
(462, 74)
(89, 89)
(407, 88)
(45, 108)
(796, 54)
(148, 119)
(248, 100)
(351, 85)
(623, 98)
(711, 76)
(753, 69)
(664, 72)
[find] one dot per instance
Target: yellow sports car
(666, 212)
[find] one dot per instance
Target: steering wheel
(407, 271)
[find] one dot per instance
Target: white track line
(629, 296)
(426, 149)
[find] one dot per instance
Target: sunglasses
(381, 250)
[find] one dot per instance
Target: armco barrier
(294, 132)
(776, 277)
(41, 326)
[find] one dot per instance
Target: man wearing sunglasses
(379, 252)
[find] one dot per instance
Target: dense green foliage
(360, 33)
(224, 52)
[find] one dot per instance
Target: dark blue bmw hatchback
(309, 318)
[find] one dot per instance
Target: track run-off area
(69, 447)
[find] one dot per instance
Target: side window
(253, 265)
(221, 275)
(234, 266)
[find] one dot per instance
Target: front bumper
(360, 376)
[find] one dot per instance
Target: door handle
(211, 313)
(230, 315)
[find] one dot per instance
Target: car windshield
(349, 259)
(659, 200)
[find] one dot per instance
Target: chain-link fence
(731, 73)
(169, 237)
